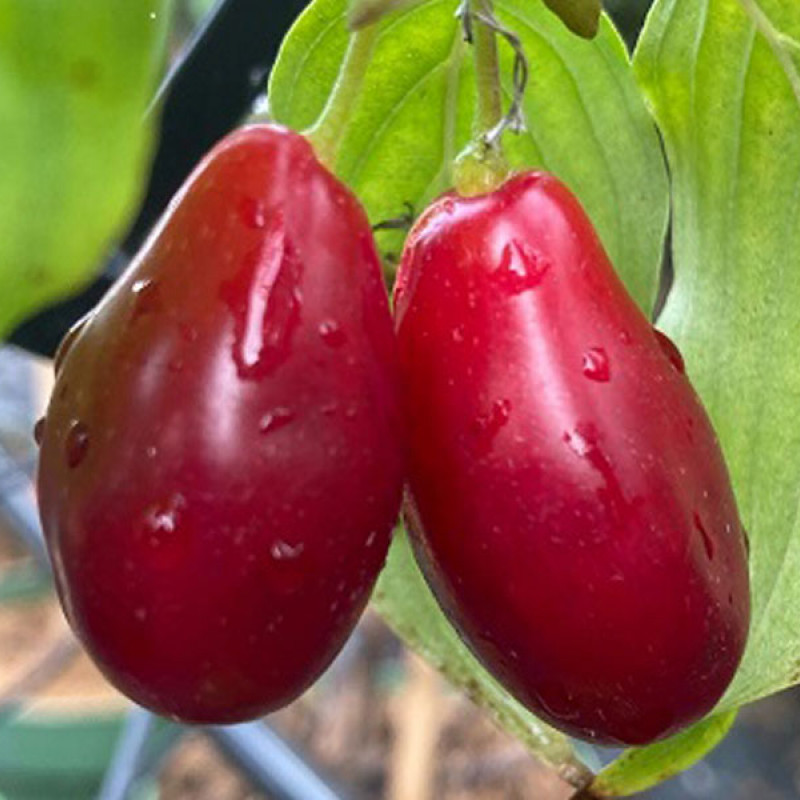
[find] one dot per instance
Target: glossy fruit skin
(569, 502)
(221, 464)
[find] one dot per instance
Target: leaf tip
(582, 17)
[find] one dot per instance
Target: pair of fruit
(225, 449)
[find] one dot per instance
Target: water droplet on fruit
(329, 409)
(596, 365)
(163, 518)
(670, 350)
(38, 431)
(141, 614)
(151, 452)
(331, 333)
(283, 551)
(521, 267)
(458, 334)
(175, 365)
(488, 425)
(578, 443)
(373, 535)
(77, 443)
(66, 343)
(351, 412)
(625, 337)
(264, 300)
(147, 298)
(708, 542)
(252, 212)
(585, 442)
(275, 419)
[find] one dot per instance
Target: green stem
(328, 131)
(482, 166)
(487, 70)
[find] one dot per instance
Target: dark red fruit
(570, 504)
(220, 467)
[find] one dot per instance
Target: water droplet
(264, 300)
(488, 425)
(708, 542)
(66, 343)
(38, 431)
(141, 614)
(332, 333)
(175, 365)
(585, 442)
(147, 298)
(596, 365)
(252, 213)
(151, 452)
(77, 443)
(670, 350)
(373, 535)
(163, 518)
(625, 337)
(283, 551)
(578, 442)
(329, 409)
(351, 412)
(521, 267)
(458, 334)
(275, 419)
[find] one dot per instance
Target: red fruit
(571, 507)
(220, 469)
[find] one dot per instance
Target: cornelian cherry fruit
(221, 461)
(569, 503)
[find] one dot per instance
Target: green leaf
(586, 123)
(403, 597)
(585, 117)
(368, 12)
(642, 767)
(722, 83)
(75, 80)
(580, 16)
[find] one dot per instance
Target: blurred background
(380, 724)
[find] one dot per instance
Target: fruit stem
(482, 166)
(328, 131)
(487, 71)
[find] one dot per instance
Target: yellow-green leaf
(580, 16)
(75, 79)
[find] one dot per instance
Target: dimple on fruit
(569, 502)
(221, 458)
